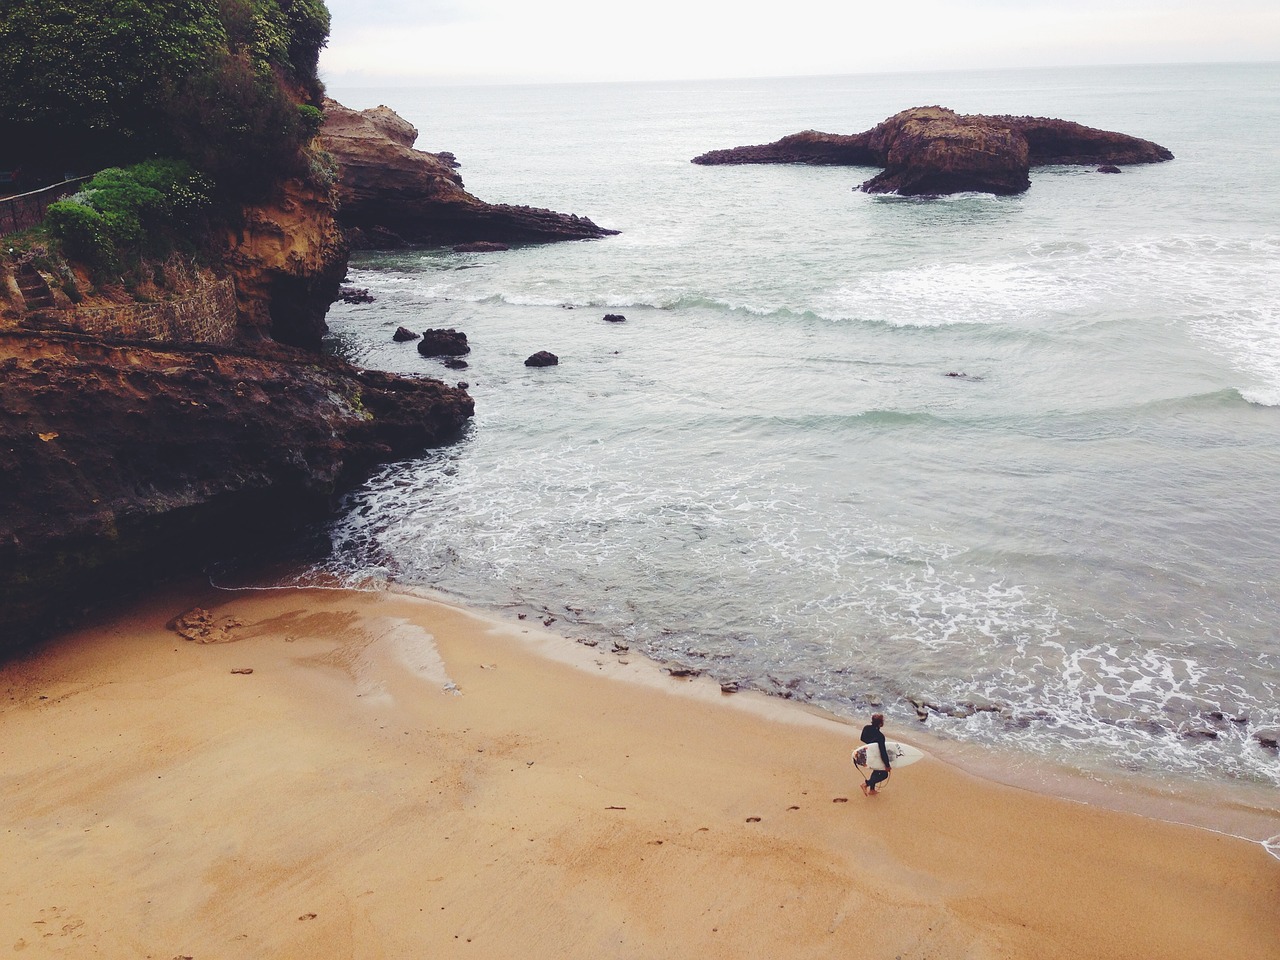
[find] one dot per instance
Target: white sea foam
(766, 473)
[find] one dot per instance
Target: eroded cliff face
(288, 256)
(121, 462)
(390, 194)
(933, 151)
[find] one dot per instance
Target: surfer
(872, 733)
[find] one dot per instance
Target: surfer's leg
(877, 777)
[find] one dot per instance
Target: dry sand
(398, 778)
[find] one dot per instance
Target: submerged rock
(930, 151)
(480, 246)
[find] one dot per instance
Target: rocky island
(933, 151)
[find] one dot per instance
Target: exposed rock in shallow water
(404, 335)
(393, 195)
(124, 463)
(481, 246)
(932, 151)
(443, 343)
(542, 358)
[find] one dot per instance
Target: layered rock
(933, 150)
(121, 462)
(288, 256)
(391, 194)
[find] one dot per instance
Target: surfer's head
(877, 720)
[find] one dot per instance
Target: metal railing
(27, 209)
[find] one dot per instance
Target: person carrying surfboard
(872, 733)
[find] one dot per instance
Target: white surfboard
(900, 755)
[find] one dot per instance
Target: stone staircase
(35, 290)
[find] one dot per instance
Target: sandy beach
(378, 775)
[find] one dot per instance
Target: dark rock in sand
(542, 359)
(404, 335)
(390, 194)
(614, 318)
(443, 343)
(929, 151)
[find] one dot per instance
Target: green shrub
(88, 83)
(124, 212)
(312, 118)
(84, 234)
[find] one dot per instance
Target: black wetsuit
(871, 734)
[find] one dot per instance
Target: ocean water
(1013, 463)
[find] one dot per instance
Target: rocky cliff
(119, 462)
(932, 150)
(288, 256)
(390, 194)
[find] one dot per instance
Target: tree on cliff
(89, 83)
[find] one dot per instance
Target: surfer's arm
(884, 755)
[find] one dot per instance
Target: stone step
(35, 290)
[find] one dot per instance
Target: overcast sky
(450, 41)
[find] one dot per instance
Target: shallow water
(1013, 460)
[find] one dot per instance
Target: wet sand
(400, 778)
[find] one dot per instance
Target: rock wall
(208, 316)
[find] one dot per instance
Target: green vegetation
(216, 83)
(124, 214)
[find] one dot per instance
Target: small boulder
(403, 335)
(480, 246)
(1109, 168)
(454, 363)
(1268, 737)
(614, 318)
(443, 343)
(542, 359)
(355, 295)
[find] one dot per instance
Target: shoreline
(1199, 806)
(398, 774)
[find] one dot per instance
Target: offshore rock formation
(390, 194)
(121, 462)
(930, 151)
